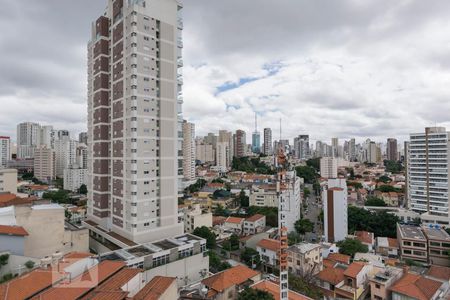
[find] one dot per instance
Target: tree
(30, 264)
(83, 189)
(388, 188)
(220, 211)
(362, 219)
(207, 234)
(4, 260)
(249, 256)
(232, 243)
(271, 214)
(197, 186)
(308, 173)
(375, 201)
(355, 184)
(393, 166)
(254, 294)
(28, 176)
(216, 264)
(293, 238)
(306, 192)
(251, 165)
(243, 199)
(60, 196)
(304, 286)
(303, 226)
(314, 163)
(67, 214)
(384, 179)
(351, 246)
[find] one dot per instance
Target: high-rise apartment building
(134, 120)
(267, 149)
(352, 150)
(335, 145)
(65, 154)
(83, 138)
(82, 156)
(328, 167)
(256, 142)
(204, 152)
(428, 172)
(301, 146)
(391, 149)
(44, 164)
(222, 156)
(227, 137)
(240, 143)
(188, 151)
(5, 151)
(47, 136)
(334, 199)
(28, 138)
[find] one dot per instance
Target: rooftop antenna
(256, 122)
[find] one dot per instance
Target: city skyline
(295, 77)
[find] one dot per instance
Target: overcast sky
(363, 69)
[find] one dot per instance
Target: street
(312, 213)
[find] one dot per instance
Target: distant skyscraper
(83, 138)
(65, 155)
(267, 141)
(44, 164)
(5, 151)
(135, 120)
(328, 167)
(227, 137)
(428, 172)
(301, 146)
(240, 143)
(256, 138)
(61, 134)
(391, 149)
(319, 149)
(222, 157)
(335, 146)
(188, 151)
(47, 136)
(28, 138)
(352, 150)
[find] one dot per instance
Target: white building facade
(334, 199)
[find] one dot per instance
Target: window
(161, 260)
(377, 286)
(147, 224)
(134, 215)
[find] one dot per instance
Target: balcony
(180, 62)
(180, 79)
(180, 23)
(180, 43)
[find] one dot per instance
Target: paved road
(312, 213)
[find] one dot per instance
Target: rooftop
(416, 286)
(411, 232)
(303, 248)
(365, 237)
(13, 230)
(341, 258)
(233, 276)
(155, 288)
(354, 269)
(436, 233)
(332, 275)
(269, 244)
(387, 274)
(234, 220)
(439, 272)
(254, 218)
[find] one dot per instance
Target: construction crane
(282, 166)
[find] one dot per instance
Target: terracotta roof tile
(393, 243)
(155, 288)
(218, 220)
(274, 289)
(365, 237)
(340, 258)
(13, 230)
(5, 197)
(327, 263)
(234, 276)
(82, 284)
(439, 272)
(354, 269)
(254, 218)
(416, 286)
(331, 275)
(270, 244)
(234, 220)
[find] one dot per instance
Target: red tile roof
(393, 243)
(439, 272)
(218, 220)
(365, 237)
(327, 263)
(416, 286)
(341, 258)
(234, 220)
(254, 218)
(331, 275)
(82, 284)
(354, 269)
(5, 197)
(13, 230)
(270, 244)
(155, 288)
(274, 290)
(234, 276)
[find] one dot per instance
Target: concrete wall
(12, 243)
(8, 181)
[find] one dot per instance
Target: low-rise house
(381, 282)
(305, 259)
(438, 245)
(412, 243)
(339, 258)
(227, 284)
(234, 224)
(417, 287)
(439, 273)
(254, 224)
(387, 247)
(366, 238)
(329, 278)
(195, 217)
(12, 239)
(374, 259)
(268, 251)
(250, 241)
(355, 283)
(264, 195)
